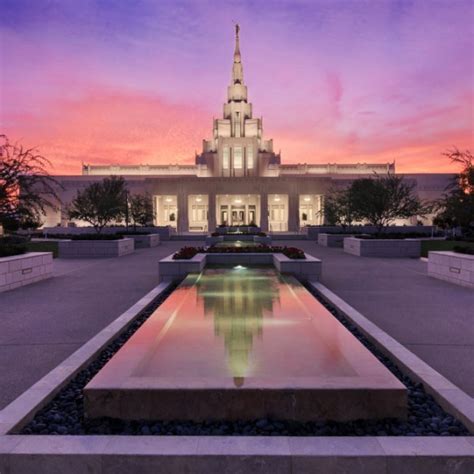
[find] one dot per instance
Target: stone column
(211, 220)
(264, 212)
(183, 222)
(293, 212)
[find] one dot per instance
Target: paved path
(432, 318)
(43, 323)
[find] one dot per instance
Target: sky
(139, 81)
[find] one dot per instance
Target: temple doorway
(234, 210)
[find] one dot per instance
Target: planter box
(21, 270)
(170, 269)
(386, 248)
(454, 267)
(307, 269)
(145, 241)
(95, 248)
(332, 240)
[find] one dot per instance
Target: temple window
(249, 157)
(225, 158)
(238, 161)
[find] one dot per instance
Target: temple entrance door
(238, 215)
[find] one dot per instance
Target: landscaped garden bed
(455, 267)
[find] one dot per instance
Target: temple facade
(237, 179)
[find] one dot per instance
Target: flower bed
(293, 253)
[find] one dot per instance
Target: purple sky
(139, 81)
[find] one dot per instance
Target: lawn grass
(43, 247)
(427, 245)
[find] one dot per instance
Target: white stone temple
(237, 179)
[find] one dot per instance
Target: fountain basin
(243, 343)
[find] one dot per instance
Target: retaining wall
(95, 248)
(454, 267)
(387, 248)
(22, 270)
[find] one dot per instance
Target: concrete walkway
(432, 318)
(44, 323)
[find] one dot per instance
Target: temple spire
(237, 70)
(237, 45)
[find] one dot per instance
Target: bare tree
(26, 187)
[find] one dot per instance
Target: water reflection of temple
(238, 303)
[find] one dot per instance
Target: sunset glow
(336, 81)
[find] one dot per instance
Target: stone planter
(145, 241)
(454, 267)
(307, 269)
(21, 270)
(385, 248)
(95, 248)
(332, 240)
(170, 269)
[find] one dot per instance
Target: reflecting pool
(228, 330)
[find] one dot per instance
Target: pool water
(239, 343)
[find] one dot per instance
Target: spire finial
(237, 47)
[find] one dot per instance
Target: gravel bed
(64, 414)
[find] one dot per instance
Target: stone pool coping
(114, 453)
(306, 269)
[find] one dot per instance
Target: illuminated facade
(238, 178)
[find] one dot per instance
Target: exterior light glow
(307, 198)
(168, 199)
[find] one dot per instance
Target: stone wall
(386, 248)
(313, 231)
(21, 270)
(332, 240)
(95, 248)
(454, 267)
(304, 269)
(145, 241)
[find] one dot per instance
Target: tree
(457, 204)
(26, 188)
(382, 199)
(100, 203)
(338, 208)
(141, 209)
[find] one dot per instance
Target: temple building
(238, 178)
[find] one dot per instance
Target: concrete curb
(448, 395)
